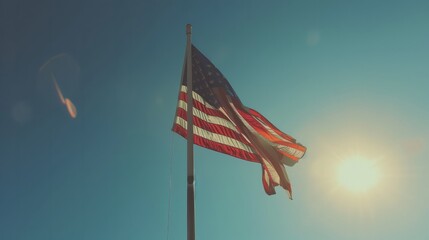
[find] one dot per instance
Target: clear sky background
(345, 78)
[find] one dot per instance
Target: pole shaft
(190, 145)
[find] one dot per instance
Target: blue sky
(346, 78)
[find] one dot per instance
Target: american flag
(222, 123)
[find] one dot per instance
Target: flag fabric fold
(223, 124)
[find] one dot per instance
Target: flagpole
(190, 138)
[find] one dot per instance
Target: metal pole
(190, 194)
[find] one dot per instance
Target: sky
(347, 79)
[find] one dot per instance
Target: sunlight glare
(358, 174)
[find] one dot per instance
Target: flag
(223, 124)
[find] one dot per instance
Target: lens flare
(60, 94)
(71, 108)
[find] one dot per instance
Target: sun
(358, 174)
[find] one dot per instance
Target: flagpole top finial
(188, 28)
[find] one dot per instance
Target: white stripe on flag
(208, 118)
(290, 150)
(270, 130)
(215, 137)
(263, 140)
(197, 97)
(273, 173)
(287, 149)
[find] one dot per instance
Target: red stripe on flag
(211, 127)
(218, 147)
(262, 152)
(292, 144)
(270, 184)
(267, 182)
(254, 123)
(266, 134)
(198, 105)
(268, 123)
